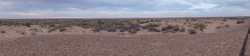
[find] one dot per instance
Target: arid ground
(200, 36)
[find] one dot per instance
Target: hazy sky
(122, 8)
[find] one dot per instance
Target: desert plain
(190, 36)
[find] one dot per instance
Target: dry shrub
(112, 26)
(240, 22)
(96, 30)
(111, 29)
(51, 25)
(224, 20)
(150, 25)
(193, 19)
(227, 25)
(23, 33)
(132, 31)
(27, 24)
(182, 30)
(33, 33)
(170, 28)
(121, 33)
(35, 29)
(192, 31)
(62, 29)
(2, 31)
(143, 22)
(219, 27)
(199, 26)
(208, 22)
(153, 30)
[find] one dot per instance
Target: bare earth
(225, 42)
(218, 44)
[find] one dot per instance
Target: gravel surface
(226, 43)
(247, 47)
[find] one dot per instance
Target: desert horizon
(191, 36)
(124, 28)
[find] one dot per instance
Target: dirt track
(215, 44)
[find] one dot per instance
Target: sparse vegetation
(192, 31)
(227, 25)
(153, 30)
(131, 26)
(182, 30)
(224, 20)
(240, 22)
(2, 31)
(96, 30)
(144, 21)
(113, 26)
(219, 27)
(199, 26)
(171, 29)
(132, 31)
(23, 33)
(33, 33)
(150, 25)
(193, 19)
(35, 30)
(27, 24)
(52, 25)
(62, 29)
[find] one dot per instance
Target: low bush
(182, 30)
(27, 24)
(62, 29)
(154, 30)
(193, 19)
(2, 31)
(170, 28)
(227, 25)
(23, 33)
(52, 25)
(33, 33)
(35, 30)
(240, 22)
(150, 25)
(143, 22)
(199, 26)
(219, 27)
(192, 31)
(96, 30)
(224, 20)
(132, 31)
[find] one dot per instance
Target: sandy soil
(82, 42)
(223, 44)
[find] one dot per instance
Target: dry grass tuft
(2, 31)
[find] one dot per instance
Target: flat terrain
(224, 44)
(226, 41)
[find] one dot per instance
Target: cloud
(122, 8)
(203, 6)
(3, 3)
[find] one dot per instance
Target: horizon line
(121, 17)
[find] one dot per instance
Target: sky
(122, 8)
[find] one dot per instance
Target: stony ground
(225, 43)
